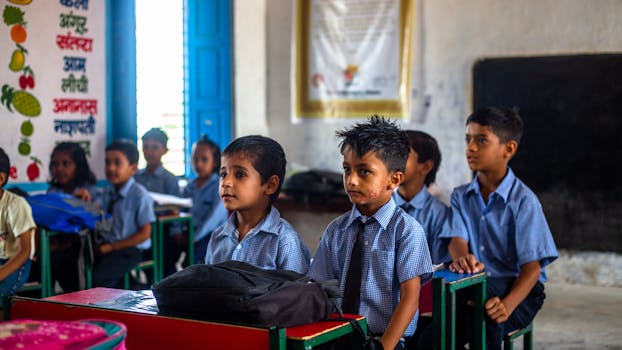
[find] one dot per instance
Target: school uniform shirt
(505, 233)
(207, 210)
(431, 214)
(15, 219)
(273, 245)
(394, 250)
(131, 208)
(160, 181)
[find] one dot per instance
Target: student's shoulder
(137, 190)
(523, 194)
(14, 201)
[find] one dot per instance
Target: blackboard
(572, 145)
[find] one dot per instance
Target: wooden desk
(148, 330)
(445, 285)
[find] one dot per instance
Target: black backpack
(235, 291)
(315, 186)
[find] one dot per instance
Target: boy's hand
(466, 264)
(104, 248)
(83, 194)
(496, 310)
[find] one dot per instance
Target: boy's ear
(271, 185)
(510, 149)
(395, 179)
(427, 166)
(134, 168)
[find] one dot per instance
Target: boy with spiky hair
(376, 251)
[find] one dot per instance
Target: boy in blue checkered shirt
(391, 251)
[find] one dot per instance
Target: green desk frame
(445, 286)
(158, 241)
(309, 341)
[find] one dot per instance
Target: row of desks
(158, 231)
(147, 329)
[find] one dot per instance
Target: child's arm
(463, 261)
(143, 234)
(403, 314)
(83, 194)
(499, 310)
(20, 258)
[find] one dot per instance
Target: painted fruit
(27, 128)
(26, 103)
(18, 34)
(13, 172)
(33, 171)
(17, 61)
(23, 148)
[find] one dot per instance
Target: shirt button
(238, 247)
(481, 248)
(365, 242)
(483, 218)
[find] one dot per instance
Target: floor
(578, 317)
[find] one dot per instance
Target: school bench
(148, 330)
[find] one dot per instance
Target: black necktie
(113, 199)
(405, 206)
(352, 292)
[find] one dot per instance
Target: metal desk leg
(479, 329)
(190, 241)
(439, 310)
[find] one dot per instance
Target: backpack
(64, 213)
(234, 291)
(314, 185)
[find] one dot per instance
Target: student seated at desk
(497, 225)
(70, 173)
(251, 173)
(155, 177)
(17, 242)
(131, 207)
(208, 212)
(412, 195)
(376, 242)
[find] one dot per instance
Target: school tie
(352, 292)
(405, 206)
(113, 199)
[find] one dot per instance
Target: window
(159, 76)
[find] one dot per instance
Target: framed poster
(352, 58)
(52, 83)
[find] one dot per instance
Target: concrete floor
(579, 317)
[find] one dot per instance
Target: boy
(391, 255)
(252, 169)
(132, 213)
(17, 241)
(154, 177)
(497, 222)
(413, 196)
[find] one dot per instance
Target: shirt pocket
(381, 269)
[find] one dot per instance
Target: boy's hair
(427, 149)
(379, 135)
(5, 165)
(505, 122)
(266, 155)
(206, 141)
(127, 147)
(157, 135)
(76, 153)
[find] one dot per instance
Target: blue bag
(64, 213)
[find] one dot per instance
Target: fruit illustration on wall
(33, 170)
(27, 80)
(27, 128)
(13, 172)
(23, 102)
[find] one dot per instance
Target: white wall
(450, 36)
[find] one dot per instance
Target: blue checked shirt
(507, 232)
(431, 213)
(395, 250)
(273, 245)
(207, 210)
(161, 181)
(132, 209)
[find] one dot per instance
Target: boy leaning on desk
(497, 225)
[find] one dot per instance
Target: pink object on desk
(52, 335)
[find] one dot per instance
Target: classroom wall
(450, 36)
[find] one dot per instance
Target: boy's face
(240, 184)
(415, 171)
(203, 160)
(153, 151)
(484, 150)
(63, 168)
(367, 180)
(118, 168)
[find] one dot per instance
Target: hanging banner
(52, 83)
(352, 58)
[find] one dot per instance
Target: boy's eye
(364, 172)
(223, 174)
(346, 170)
(481, 140)
(240, 174)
